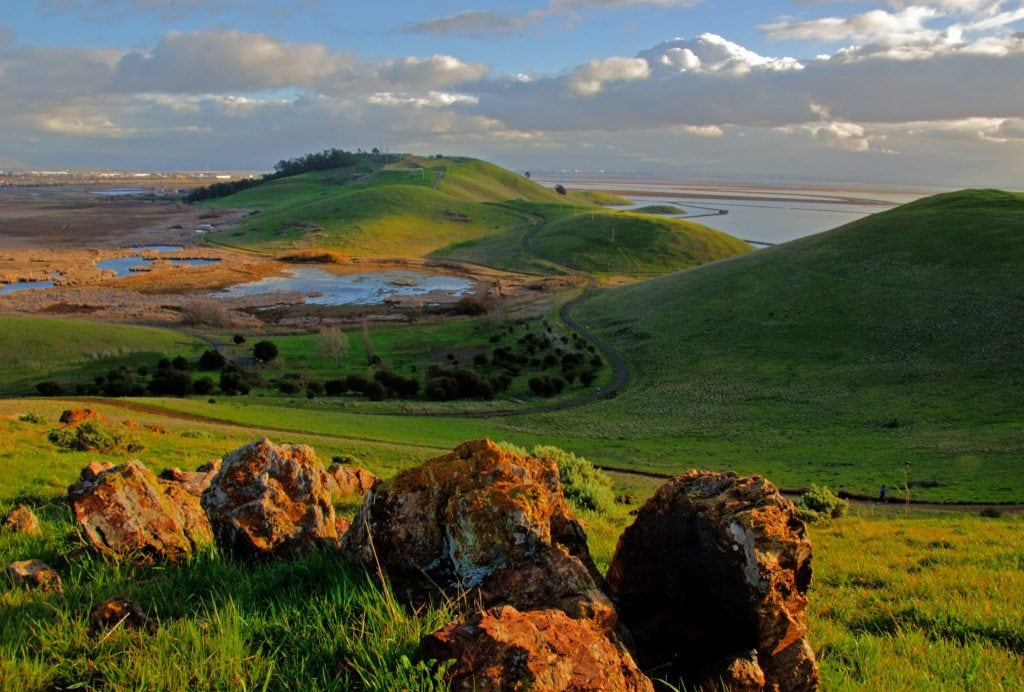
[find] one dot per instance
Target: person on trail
(881, 493)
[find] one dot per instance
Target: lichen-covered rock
(125, 510)
(504, 649)
(716, 566)
(34, 574)
(350, 480)
(119, 612)
(193, 482)
(480, 517)
(22, 520)
(74, 416)
(269, 500)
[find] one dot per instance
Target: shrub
(265, 351)
(543, 385)
(991, 513)
(471, 306)
(458, 383)
(356, 383)
(212, 360)
(121, 382)
(92, 436)
(375, 391)
(49, 388)
(234, 382)
(397, 385)
(821, 505)
(335, 387)
(238, 339)
(288, 387)
(180, 363)
(30, 418)
(587, 378)
(314, 389)
(204, 385)
(170, 382)
(585, 487)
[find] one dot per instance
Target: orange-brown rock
(714, 567)
(119, 612)
(34, 574)
(193, 482)
(351, 480)
(125, 510)
(480, 517)
(74, 416)
(269, 499)
(22, 520)
(504, 649)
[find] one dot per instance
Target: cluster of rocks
(706, 588)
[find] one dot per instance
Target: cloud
(590, 78)
(711, 53)
(437, 70)
(472, 24)
(870, 26)
(489, 24)
(220, 60)
(6, 36)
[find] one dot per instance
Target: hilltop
(463, 209)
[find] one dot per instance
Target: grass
(410, 210)
(626, 243)
(600, 198)
(68, 351)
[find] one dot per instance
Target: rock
(74, 416)
(34, 574)
(22, 520)
(269, 499)
(351, 480)
(483, 518)
(714, 567)
(342, 524)
(124, 510)
(504, 649)
(193, 482)
(119, 612)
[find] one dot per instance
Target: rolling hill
(893, 340)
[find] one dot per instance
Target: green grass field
(37, 349)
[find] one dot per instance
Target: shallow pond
(122, 266)
(25, 286)
(368, 288)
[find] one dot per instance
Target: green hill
(408, 209)
(608, 243)
(894, 339)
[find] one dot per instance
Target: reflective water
(122, 266)
(25, 286)
(367, 288)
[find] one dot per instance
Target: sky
(891, 91)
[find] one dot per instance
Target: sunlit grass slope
(42, 348)
(409, 209)
(603, 242)
(836, 359)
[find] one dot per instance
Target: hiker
(881, 493)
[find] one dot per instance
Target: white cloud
(711, 53)
(589, 79)
(870, 26)
(437, 70)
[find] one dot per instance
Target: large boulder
(22, 520)
(270, 500)
(125, 510)
(193, 482)
(716, 566)
(34, 574)
(74, 416)
(484, 518)
(504, 649)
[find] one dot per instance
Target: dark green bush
(821, 505)
(212, 359)
(49, 388)
(92, 436)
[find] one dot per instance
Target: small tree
(238, 339)
(333, 343)
(560, 189)
(264, 351)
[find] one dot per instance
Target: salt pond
(368, 288)
(123, 266)
(25, 286)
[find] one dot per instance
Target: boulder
(269, 499)
(125, 510)
(504, 649)
(34, 574)
(350, 480)
(119, 612)
(74, 416)
(482, 518)
(193, 482)
(22, 520)
(716, 566)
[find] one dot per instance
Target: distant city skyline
(897, 91)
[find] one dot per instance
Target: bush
(212, 360)
(265, 351)
(375, 391)
(288, 387)
(92, 436)
(170, 382)
(314, 389)
(180, 363)
(204, 385)
(335, 387)
(238, 339)
(821, 505)
(585, 487)
(121, 382)
(234, 382)
(458, 383)
(49, 388)
(543, 385)
(397, 385)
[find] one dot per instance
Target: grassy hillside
(608, 243)
(842, 357)
(38, 348)
(408, 209)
